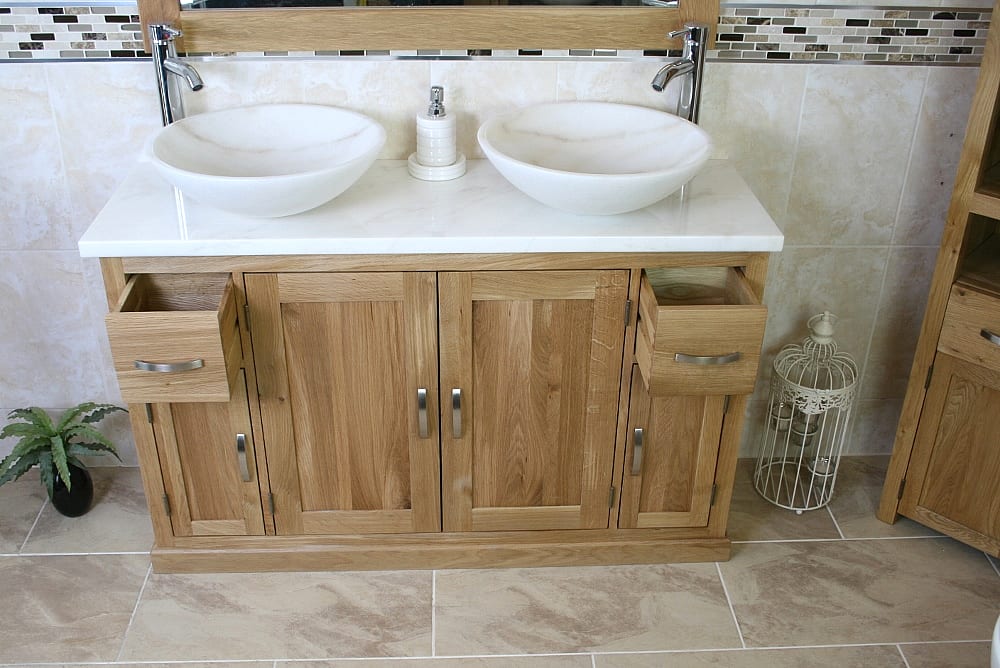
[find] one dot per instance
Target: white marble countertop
(389, 212)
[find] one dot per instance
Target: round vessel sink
(594, 157)
(268, 160)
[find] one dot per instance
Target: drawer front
(700, 349)
(971, 329)
(176, 355)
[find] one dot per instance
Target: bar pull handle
(707, 360)
(456, 413)
(422, 412)
(637, 451)
(241, 455)
(169, 367)
(990, 336)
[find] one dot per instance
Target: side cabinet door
(530, 372)
(347, 376)
(951, 483)
(206, 453)
(670, 458)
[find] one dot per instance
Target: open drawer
(700, 331)
(175, 337)
(971, 328)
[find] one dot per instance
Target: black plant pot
(75, 501)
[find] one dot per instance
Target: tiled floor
(831, 587)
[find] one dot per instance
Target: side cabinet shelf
(437, 416)
(945, 467)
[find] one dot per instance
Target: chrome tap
(166, 62)
(691, 66)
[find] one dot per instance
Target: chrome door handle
(422, 412)
(169, 367)
(637, 451)
(241, 455)
(707, 359)
(990, 336)
(456, 413)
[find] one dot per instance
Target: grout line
(434, 579)
(899, 649)
(144, 553)
(835, 540)
(593, 661)
(836, 524)
(909, 163)
(732, 610)
(135, 609)
(32, 529)
(994, 564)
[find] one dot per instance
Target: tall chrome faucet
(690, 66)
(161, 40)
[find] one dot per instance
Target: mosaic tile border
(761, 33)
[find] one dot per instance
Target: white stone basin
(268, 160)
(594, 157)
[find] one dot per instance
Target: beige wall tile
(930, 173)
(948, 655)
(59, 609)
(752, 111)
(282, 616)
(819, 657)
(857, 127)
(626, 82)
(859, 592)
(34, 200)
(231, 84)
(540, 610)
(874, 426)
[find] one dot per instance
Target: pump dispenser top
(436, 108)
(437, 157)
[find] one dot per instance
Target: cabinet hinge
(270, 503)
(166, 505)
(711, 501)
(149, 413)
(902, 486)
(930, 372)
(246, 316)
(628, 311)
(611, 497)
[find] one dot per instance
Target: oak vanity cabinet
(347, 371)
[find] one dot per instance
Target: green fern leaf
(85, 431)
(59, 458)
(100, 411)
(71, 414)
(18, 429)
(35, 416)
(78, 448)
(15, 469)
(46, 470)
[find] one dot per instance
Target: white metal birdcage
(808, 412)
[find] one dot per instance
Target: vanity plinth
(441, 375)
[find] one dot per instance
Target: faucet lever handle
(683, 32)
(162, 33)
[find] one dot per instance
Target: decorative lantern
(808, 412)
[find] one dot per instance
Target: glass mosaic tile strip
(769, 33)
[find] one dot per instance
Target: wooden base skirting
(329, 555)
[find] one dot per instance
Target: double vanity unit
(435, 374)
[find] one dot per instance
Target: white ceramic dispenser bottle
(437, 157)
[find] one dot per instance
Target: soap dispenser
(437, 157)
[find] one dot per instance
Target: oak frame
(409, 28)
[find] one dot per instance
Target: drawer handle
(709, 359)
(990, 336)
(637, 451)
(422, 412)
(169, 367)
(456, 413)
(241, 454)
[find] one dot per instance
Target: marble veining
(388, 212)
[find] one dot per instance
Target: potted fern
(55, 447)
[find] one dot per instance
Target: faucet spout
(182, 69)
(671, 70)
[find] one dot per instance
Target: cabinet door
(530, 371)
(206, 453)
(347, 376)
(954, 473)
(673, 445)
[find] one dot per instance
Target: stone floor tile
(948, 655)
(996, 563)
(20, 502)
(856, 498)
(543, 610)
(117, 522)
(751, 517)
(855, 592)
(878, 656)
(230, 616)
(545, 661)
(58, 609)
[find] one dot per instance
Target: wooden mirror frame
(409, 28)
